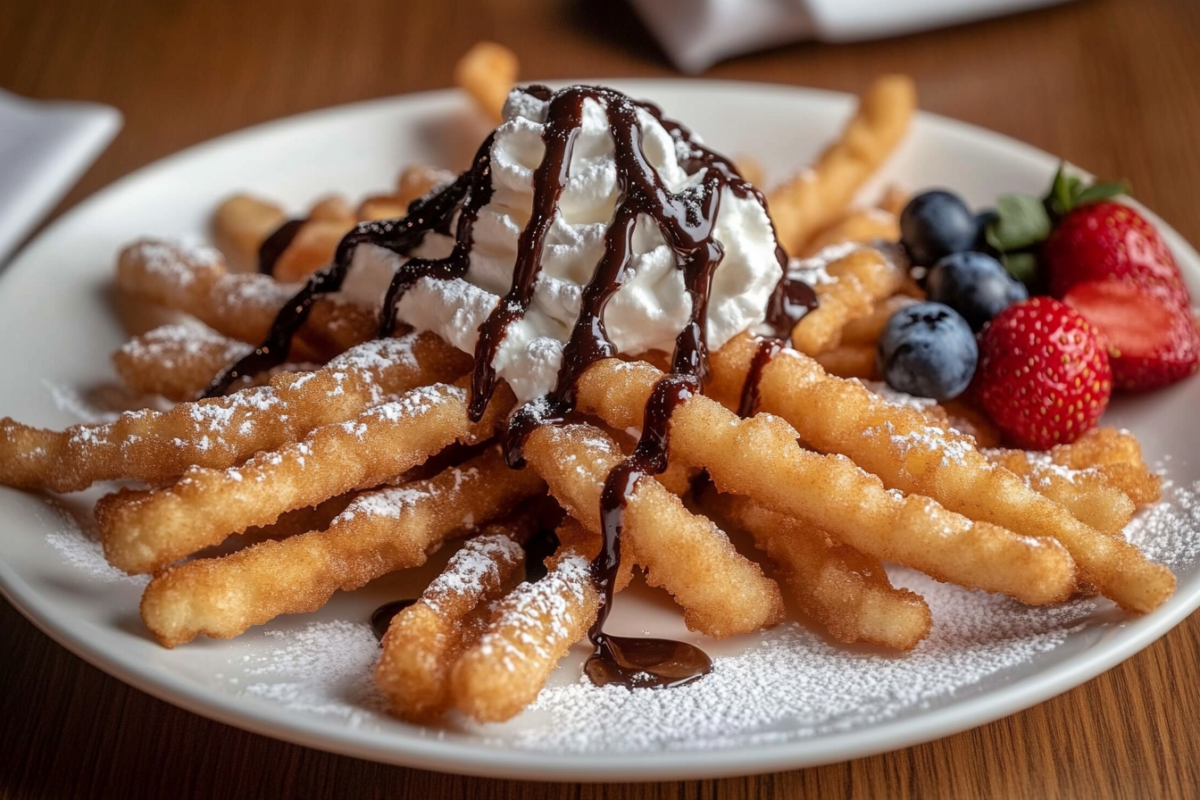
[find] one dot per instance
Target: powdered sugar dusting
(791, 684)
(785, 684)
(83, 552)
(324, 668)
(477, 564)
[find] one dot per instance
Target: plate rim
(481, 759)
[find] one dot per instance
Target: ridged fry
(381, 531)
(195, 280)
(220, 432)
(425, 640)
(530, 630)
(759, 458)
(143, 531)
(176, 361)
(837, 586)
(721, 592)
(1085, 493)
(816, 198)
(862, 278)
(909, 454)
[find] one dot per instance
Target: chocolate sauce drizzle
(685, 219)
(274, 245)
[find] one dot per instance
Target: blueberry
(928, 350)
(936, 224)
(975, 285)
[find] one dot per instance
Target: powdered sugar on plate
(785, 684)
(324, 668)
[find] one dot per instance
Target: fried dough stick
(220, 432)
(909, 454)
(529, 632)
(816, 198)
(722, 593)
(143, 531)
(759, 458)
(381, 531)
(844, 590)
(425, 640)
(243, 306)
(176, 361)
(862, 278)
(1085, 493)
(863, 225)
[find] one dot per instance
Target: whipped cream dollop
(652, 305)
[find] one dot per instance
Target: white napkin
(698, 33)
(44, 149)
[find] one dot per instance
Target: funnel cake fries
(425, 640)
(901, 447)
(143, 531)
(242, 306)
(221, 432)
(380, 531)
(814, 199)
(841, 588)
(758, 457)
(345, 471)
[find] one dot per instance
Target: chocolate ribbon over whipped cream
(686, 220)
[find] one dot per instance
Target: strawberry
(1043, 375)
(1111, 241)
(1151, 341)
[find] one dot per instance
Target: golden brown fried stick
(850, 361)
(381, 531)
(1085, 493)
(815, 198)
(722, 593)
(861, 279)
(488, 71)
(143, 531)
(176, 361)
(911, 455)
(156, 446)
(1117, 456)
(195, 280)
(867, 330)
(759, 458)
(863, 225)
(425, 640)
(530, 630)
(844, 590)
(240, 225)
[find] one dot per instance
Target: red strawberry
(1110, 241)
(1043, 374)
(1151, 342)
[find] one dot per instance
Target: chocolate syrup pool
(686, 221)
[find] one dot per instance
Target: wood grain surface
(1113, 85)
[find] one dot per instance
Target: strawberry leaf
(1022, 222)
(1022, 266)
(1100, 191)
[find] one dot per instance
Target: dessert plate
(777, 700)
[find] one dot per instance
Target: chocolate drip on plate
(382, 617)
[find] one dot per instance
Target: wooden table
(1110, 84)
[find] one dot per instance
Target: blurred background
(1112, 85)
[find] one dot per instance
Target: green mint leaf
(1101, 191)
(1022, 266)
(1023, 221)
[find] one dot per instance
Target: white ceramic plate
(306, 679)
